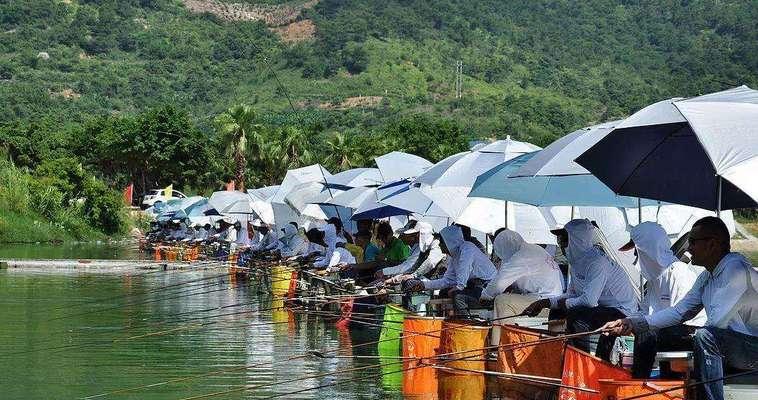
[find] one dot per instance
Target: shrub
(103, 208)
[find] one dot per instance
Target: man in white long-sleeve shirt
(668, 280)
(728, 291)
(468, 271)
(599, 290)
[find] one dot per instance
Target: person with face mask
(527, 269)
(292, 244)
(599, 290)
(468, 272)
(728, 292)
(668, 280)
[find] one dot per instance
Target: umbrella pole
(505, 211)
(639, 211)
(718, 196)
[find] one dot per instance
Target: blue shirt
(371, 252)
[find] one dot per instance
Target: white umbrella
(488, 215)
(230, 202)
(262, 207)
(283, 212)
(356, 177)
(398, 165)
(448, 182)
(354, 198)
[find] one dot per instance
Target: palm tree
(237, 128)
(296, 147)
(342, 152)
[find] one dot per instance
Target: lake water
(69, 336)
(73, 336)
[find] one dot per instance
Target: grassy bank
(31, 228)
(54, 204)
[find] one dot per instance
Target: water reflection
(198, 338)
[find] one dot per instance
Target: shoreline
(94, 266)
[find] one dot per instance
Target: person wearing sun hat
(264, 238)
(425, 255)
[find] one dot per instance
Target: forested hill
(529, 67)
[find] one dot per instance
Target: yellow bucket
(280, 280)
(461, 387)
(467, 343)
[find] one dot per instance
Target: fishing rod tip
(317, 353)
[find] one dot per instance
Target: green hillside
(530, 67)
(91, 81)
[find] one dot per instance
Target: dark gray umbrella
(701, 152)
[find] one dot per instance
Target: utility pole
(459, 79)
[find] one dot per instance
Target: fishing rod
(149, 334)
(268, 363)
(142, 303)
(198, 326)
(421, 364)
(256, 302)
(245, 388)
(693, 384)
(311, 376)
(141, 293)
(541, 380)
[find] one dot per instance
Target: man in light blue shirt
(728, 291)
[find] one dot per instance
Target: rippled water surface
(73, 336)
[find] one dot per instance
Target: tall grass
(33, 212)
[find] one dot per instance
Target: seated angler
(291, 243)
(409, 234)
(429, 255)
(333, 256)
(264, 238)
(342, 235)
(467, 236)
(526, 271)
(728, 292)
(668, 280)
(599, 290)
(395, 251)
(468, 272)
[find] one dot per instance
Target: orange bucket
(613, 389)
(419, 383)
(421, 336)
(467, 342)
(584, 370)
(461, 387)
(544, 359)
